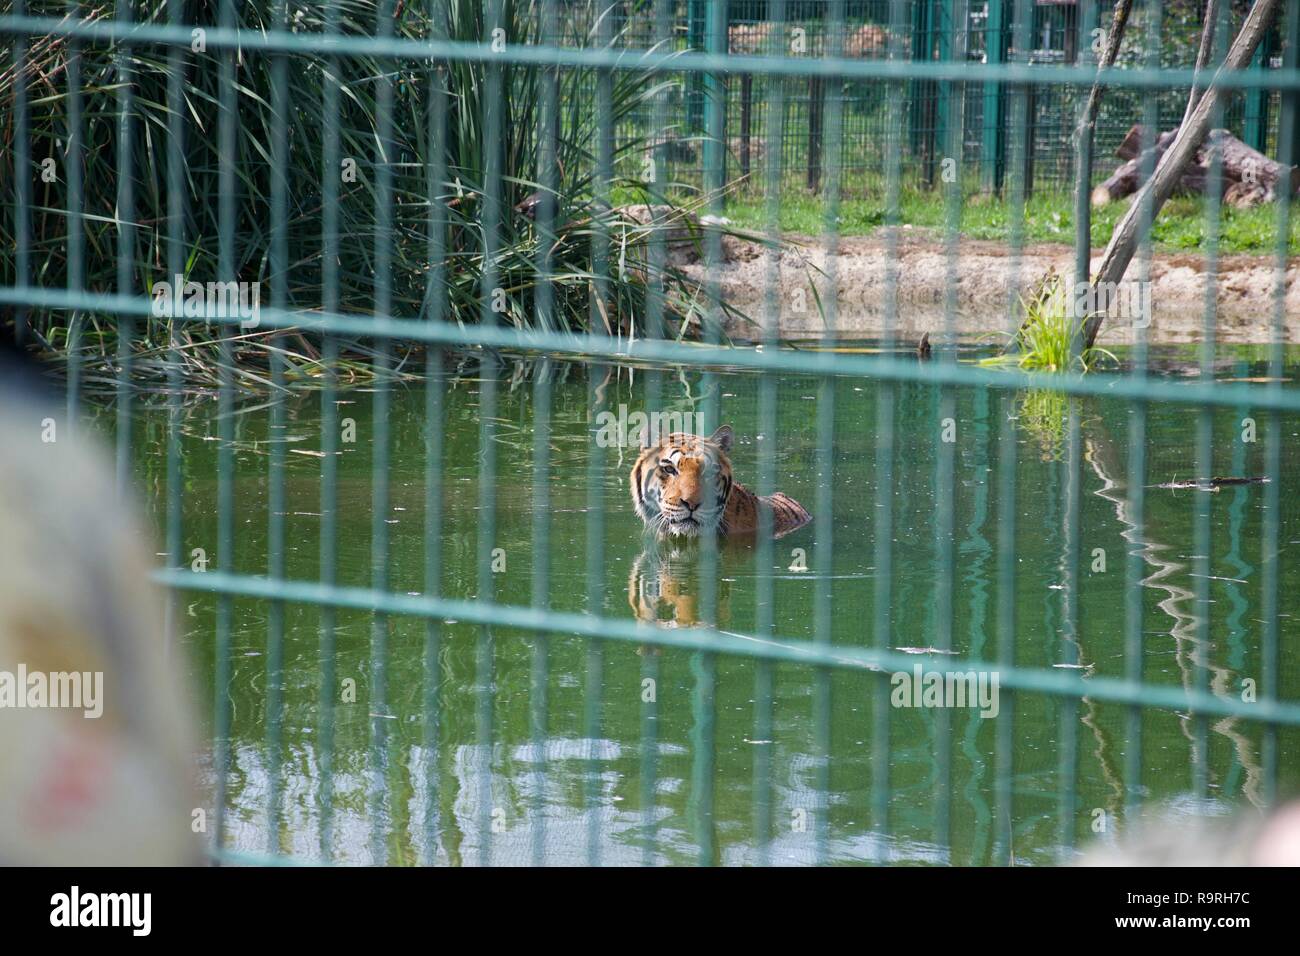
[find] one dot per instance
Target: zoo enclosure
(958, 32)
(385, 328)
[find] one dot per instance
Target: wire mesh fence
(374, 241)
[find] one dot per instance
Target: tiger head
(680, 483)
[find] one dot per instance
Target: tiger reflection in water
(664, 585)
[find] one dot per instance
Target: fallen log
(1244, 164)
(1127, 178)
(1123, 182)
(1130, 146)
(1247, 176)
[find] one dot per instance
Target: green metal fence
(928, 32)
(28, 294)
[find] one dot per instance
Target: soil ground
(984, 273)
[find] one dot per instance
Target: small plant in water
(1044, 339)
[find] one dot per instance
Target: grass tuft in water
(1046, 336)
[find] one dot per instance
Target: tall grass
(582, 220)
(1045, 339)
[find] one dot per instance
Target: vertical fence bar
(1069, 648)
(1255, 121)
(22, 178)
(1146, 210)
(1020, 105)
(654, 329)
(1008, 454)
(125, 218)
(1288, 142)
(949, 432)
(823, 506)
(176, 63)
(275, 529)
(921, 91)
(1134, 610)
(1004, 759)
(539, 677)
(765, 554)
(435, 384)
(704, 664)
(330, 179)
(227, 132)
(599, 376)
(435, 307)
(993, 134)
(1202, 504)
(1084, 139)
(976, 544)
(1270, 553)
(379, 455)
(76, 207)
(599, 380)
(883, 521)
(945, 15)
(484, 667)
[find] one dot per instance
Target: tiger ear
(723, 438)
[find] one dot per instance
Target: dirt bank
(984, 272)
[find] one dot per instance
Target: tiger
(671, 478)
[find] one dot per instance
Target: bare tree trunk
(1119, 21)
(1202, 56)
(1123, 241)
(1084, 138)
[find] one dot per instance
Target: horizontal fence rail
(278, 41)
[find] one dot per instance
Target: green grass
(1049, 217)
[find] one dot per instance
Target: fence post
(715, 88)
(922, 126)
(746, 117)
(815, 102)
(696, 19)
(945, 27)
(1288, 130)
(993, 137)
(1085, 22)
(1255, 123)
(1026, 120)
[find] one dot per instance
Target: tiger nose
(691, 505)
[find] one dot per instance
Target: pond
(635, 753)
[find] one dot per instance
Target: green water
(830, 771)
